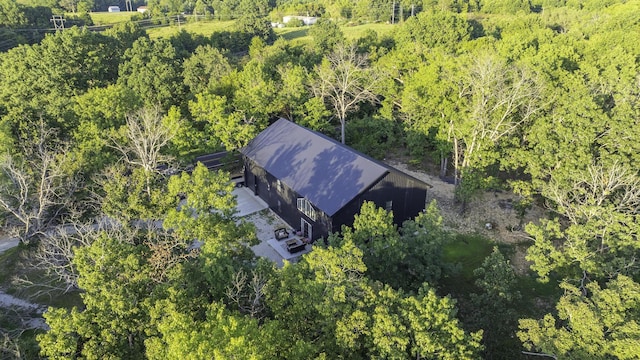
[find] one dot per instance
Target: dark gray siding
(407, 196)
(283, 200)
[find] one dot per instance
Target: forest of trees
(539, 98)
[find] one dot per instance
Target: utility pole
(58, 22)
(401, 13)
(128, 5)
(393, 12)
(412, 6)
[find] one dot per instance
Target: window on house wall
(306, 208)
(388, 205)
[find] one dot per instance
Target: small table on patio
(295, 245)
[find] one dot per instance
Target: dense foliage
(538, 97)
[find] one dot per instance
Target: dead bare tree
(248, 294)
(57, 250)
(167, 252)
(500, 99)
(345, 81)
(147, 134)
(35, 189)
(615, 186)
(9, 347)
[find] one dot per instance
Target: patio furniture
(295, 245)
(281, 233)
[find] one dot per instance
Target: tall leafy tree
(38, 81)
(204, 69)
(592, 322)
(152, 71)
(599, 238)
(326, 35)
(345, 81)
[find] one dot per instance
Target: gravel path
(490, 207)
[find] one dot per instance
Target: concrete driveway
(254, 210)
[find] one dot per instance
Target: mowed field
(107, 18)
(207, 27)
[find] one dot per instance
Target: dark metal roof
(315, 166)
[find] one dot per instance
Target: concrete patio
(254, 210)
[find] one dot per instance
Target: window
(388, 205)
(306, 208)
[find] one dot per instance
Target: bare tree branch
(345, 80)
(36, 190)
(248, 294)
(147, 134)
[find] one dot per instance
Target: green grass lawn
(195, 27)
(469, 251)
(207, 27)
(356, 31)
(464, 254)
(106, 18)
(297, 35)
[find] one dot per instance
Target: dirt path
(495, 208)
(7, 243)
(29, 313)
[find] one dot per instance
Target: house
(113, 9)
(317, 184)
(307, 20)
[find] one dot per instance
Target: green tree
(505, 6)
(131, 276)
(402, 258)
(152, 71)
(204, 69)
(100, 111)
(253, 25)
(431, 29)
(116, 286)
(592, 322)
(229, 128)
(600, 208)
(222, 334)
(326, 35)
(349, 316)
(38, 81)
(493, 307)
(125, 34)
(10, 14)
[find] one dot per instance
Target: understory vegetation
(99, 132)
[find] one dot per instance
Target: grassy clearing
(195, 27)
(298, 35)
(356, 31)
(464, 254)
(106, 18)
(469, 251)
(207, 27)
(14, 263)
